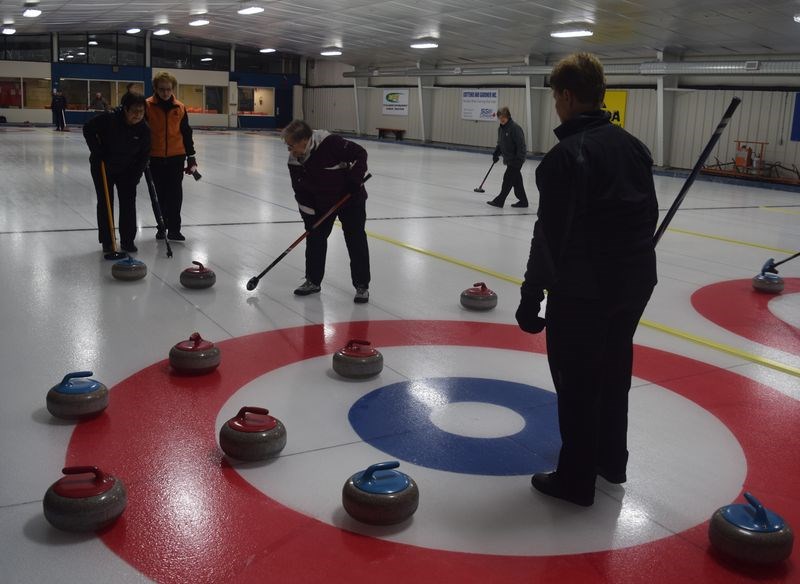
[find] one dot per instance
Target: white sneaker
(362, 296)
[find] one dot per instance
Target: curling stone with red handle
(252, 435)
(380, 495)
(357, 360)
(129, 269)
(198, 277)
(86, 499)
(479, 297)
(76, 397)
(750, 533)
(194, 356)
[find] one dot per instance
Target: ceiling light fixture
(134, 30)
(331, 52)
(249, 8)
(206, 59)
(198, 22)
(425, 43)
(31, 12)
(93, 43)
(797, 17)
(571, 33)
(161, 32)
(9, 30)
(267, 51)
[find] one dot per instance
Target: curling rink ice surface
(465, 401)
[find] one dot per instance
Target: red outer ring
(184, 499)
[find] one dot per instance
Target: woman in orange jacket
(171, 144)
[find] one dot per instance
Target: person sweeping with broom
(119, 143)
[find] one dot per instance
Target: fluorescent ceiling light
(81, 54)
(70, 56)
(9, 30)
(161, 31)
(31, 12)
(134, 30)
(797, 17)
(425, 43)
(93, 43)
(267, 51)
(331, 52)
(206, 59)
(572, 33)
(198, 22)
(252, 9)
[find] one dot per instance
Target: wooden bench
(398, 133)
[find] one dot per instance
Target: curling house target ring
(191, 517)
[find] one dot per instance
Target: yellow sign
(615, 105)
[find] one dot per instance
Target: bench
(398, 133)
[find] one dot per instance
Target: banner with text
(615, 104)
(479, 104)
(395, 102)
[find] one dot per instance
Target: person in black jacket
(511, 144)
(324, 168)
(593, 251)
(121, 139)
(59, 106)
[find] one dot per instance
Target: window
(77, 93)
(72, 48)
(21, 47)
(213, 58)
(169, 54)
(216, 100)
(119, 89)
(104, 52)
(192, 97)
(130, 50)
(252, 61)
(259, 101)
(10, 92)
(104, 89)
(203, 100)
(36, 93)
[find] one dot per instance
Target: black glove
(527, 314)
(495, 158)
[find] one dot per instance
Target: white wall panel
(763, 115)
(375, 119)
(330, 108)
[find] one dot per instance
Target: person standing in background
(511, 145)
(59, 107)
(172, 143)
(98, 103)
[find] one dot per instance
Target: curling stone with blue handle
(380, 495)
(129, 269)
(198, 277)
(76, 397)
(357, 360)
(86, 499)
(194, 356)
(252, 435)
(768, 282)
(479, 297)
(750, 533)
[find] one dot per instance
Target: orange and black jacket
(170, 129)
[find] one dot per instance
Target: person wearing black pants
(168, 180)
(593, 251)
(324, 169)
(121, 140)
(511, 145)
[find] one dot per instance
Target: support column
(665, 97)
(359, 96)
(425, 111)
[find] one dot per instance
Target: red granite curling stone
(768, 282)
(751, 533)
(86, 499)
(357, 360)
(252, 435)
(380, 495)
(198, 277)
(194, 356)
(478, 298)
(76, 397)
(129, 269)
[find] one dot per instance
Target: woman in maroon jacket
(324, 168)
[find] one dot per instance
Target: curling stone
(194, 356)
(750, 533)
(129, 269)
(87, 499)
(357, 360)
(380, 495)
(198, 277)
(478, 298)
(768, 282)
(252, 435)
(76, 397)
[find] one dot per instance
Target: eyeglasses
(164, 88)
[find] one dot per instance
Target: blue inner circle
(396, 419)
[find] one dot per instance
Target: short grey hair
(297, 130)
